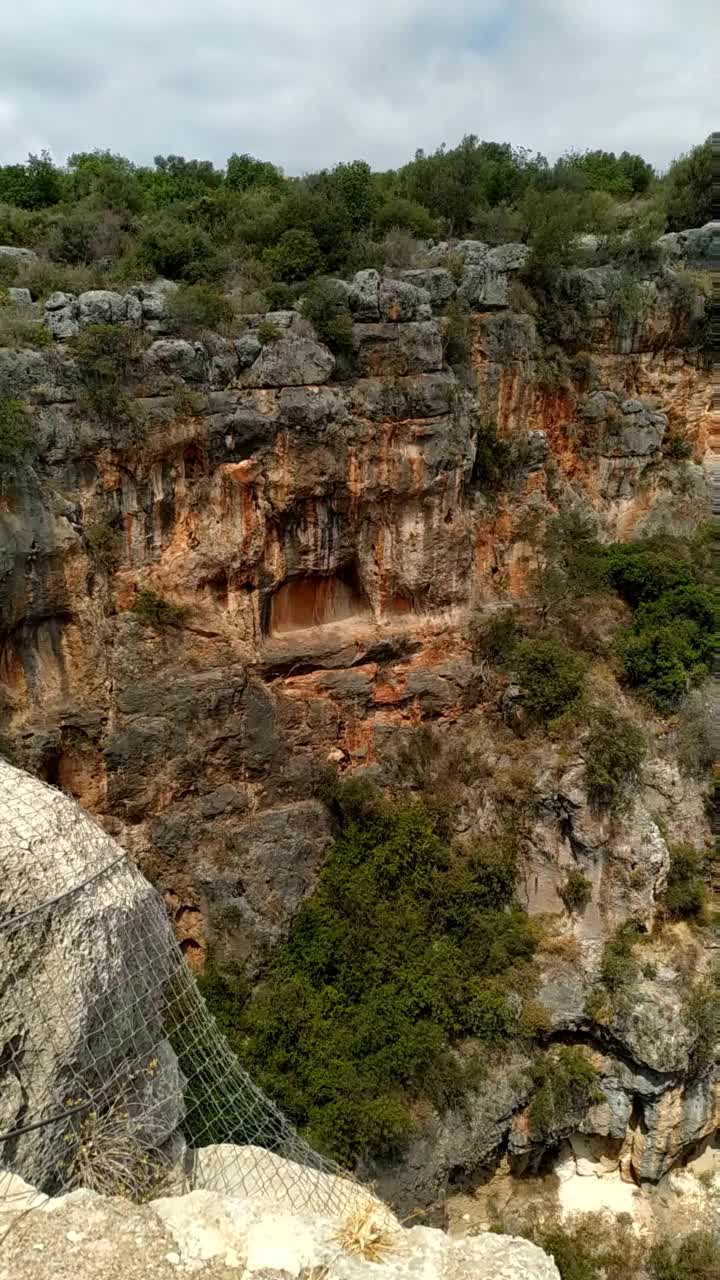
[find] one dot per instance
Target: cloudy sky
(306, 83)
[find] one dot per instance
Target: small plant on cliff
(325, 306)
(157, 612)
(268, 331)
(566, 1084)
(576, 892)
(198, 306)
(550, 677)
(696, 1257)
(493, 459)
(102, 540)
(17, 445)
(457, 338)
(618, 967)
(614, 755)
(702, 1015)
(107, 356)
(686, 892)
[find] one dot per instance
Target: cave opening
(316, 600)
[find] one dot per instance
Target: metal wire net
(113, 1073)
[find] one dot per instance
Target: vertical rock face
(325, 530)
(85, 950)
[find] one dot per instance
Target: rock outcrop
(92, 1238)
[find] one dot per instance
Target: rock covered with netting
(113, 1073)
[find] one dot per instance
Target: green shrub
(614, 754)
(325, 306)
(72, 238)
(457, 337)
(157, 612)
(702, 1015)
(17, 445)
(565, 1085)
(550, 677)
(685, 892)
(268, 331)
(297, 256)
(406, 214)
(689, 189)
(405, 945)
(198, 306)
(280, 297)
(107, 357)
(495, 638)
(576, 892)
(20, 331)
(102, 540)
(178, 251)
(492, 464)
(696, 1257)
(618, 968)
(643, 571)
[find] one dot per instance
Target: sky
(306, 83)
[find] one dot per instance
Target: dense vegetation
(407, 944)
(100, 218)
(595, 1247)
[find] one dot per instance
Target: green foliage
(550, 677)
(280, 297)
(177, 251)
(688, 189)
(622, 176)
(618, 967)
(696, 1257)
(34, 185)
(107, 357)
(157, 612)
(493, 458)
(702, 1013)
(406, 214)
(497, 637)
(268, 331)
(102, 540)
(686, 891)
(244, 172)
(457, 337)
(614, 755)
(17, 446)
(198, 306)
(566, 1084)
(325, 306)
(670, 644)
(576, 892)
(405, 945)
(296, 256)
(642, 571)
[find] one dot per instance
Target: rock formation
(323, 536)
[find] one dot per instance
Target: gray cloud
(306, 83)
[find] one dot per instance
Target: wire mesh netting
(113, 1073)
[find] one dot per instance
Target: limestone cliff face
(327, 536)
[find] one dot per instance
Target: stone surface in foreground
(89, 1237)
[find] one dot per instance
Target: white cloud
(308, 82)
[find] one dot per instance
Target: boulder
(291, 362)
(398, 350)
(153, 299)
(508, 257)
(248, 348)
(103, 306)
(86, 951)
(176, 356)
(21, 298)
(472, 250)
(483, 286)
(437, 282)
(62, 315)
(400, 301)
(363, 296)
(11, 253)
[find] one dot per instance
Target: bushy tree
(550, 677)
(245, 171)
(689, 189)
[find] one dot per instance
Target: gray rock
(482, 286)
(284, 320)
(307, 407)
(508, 257)
(472, 250)
(400, 302)
(187, 360)
(21, 298)
(59, 301)
(254, 896)
(398, 350)
(364, 296)
(291, 362)
(63, 324)
(381, 400)
(103, 306)
(11, 253)
(248, 348)
(438, 282)
(87, 978)
(153, 299)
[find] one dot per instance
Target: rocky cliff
(265, 559)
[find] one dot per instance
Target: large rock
(203, 1233)
(438, 282)
(363, 296)
(11, 253)
(291, 362)
(102, 306)
(398, 350)
(154, 301)
(400, 301)
(175, 356)
(85, 953)
(272, 868)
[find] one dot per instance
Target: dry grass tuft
(110, 1155)
(365, 1233)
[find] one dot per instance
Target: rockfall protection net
(113, 1073)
